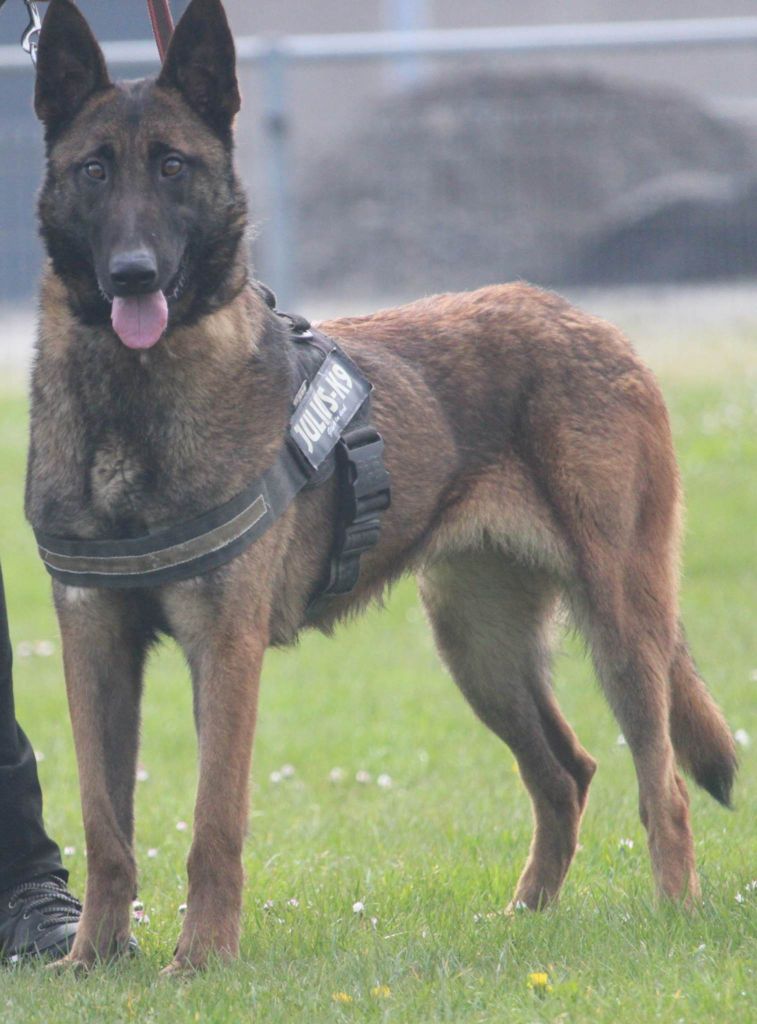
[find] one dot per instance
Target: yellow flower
(341, 997)
(539, 982)
(381, 992)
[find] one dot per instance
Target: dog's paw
(71, 965)
(520, 906)
(180, 969)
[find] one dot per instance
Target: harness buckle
(369, 492)
(364, 492)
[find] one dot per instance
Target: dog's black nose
(134, 273)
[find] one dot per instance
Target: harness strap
(364, 492)
(181, 551)
(162, 24)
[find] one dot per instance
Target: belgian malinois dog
(529, 451)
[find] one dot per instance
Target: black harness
(329, 432)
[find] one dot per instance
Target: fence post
(407, 16)
(277, 230)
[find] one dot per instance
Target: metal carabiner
(30, 38)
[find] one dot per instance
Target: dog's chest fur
(130, 444)
(117, 478)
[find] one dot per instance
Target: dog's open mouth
(140, 320)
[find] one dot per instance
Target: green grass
(434, 857)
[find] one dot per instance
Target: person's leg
(37, 913)
(26, 851)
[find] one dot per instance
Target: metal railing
(276, 56)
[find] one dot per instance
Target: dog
(529, 451)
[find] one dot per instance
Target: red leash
(162, 24)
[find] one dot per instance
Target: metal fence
(473, 172)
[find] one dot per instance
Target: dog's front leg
(225, 650)
(104, 646)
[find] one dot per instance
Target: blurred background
(556, 142)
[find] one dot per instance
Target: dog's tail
(702, 740)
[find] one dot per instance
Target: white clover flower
(39, 756)
(24, 649)
(739, 897)
(44, 648)
(181, 826)
(363, 777)
(621, 741)
(336, 775)
(142, 775)
(276, 777)
(287, 771)
(358, 907)
(152, 852)
(69, 851)
(625, 844)
(384, 781)
(742, 737)
(293, 902)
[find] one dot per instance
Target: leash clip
(30, 38)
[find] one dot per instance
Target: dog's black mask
(141, 209)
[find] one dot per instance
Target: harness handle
(162, 24)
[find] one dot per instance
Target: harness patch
(328, 406)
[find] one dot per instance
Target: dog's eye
(94, 169)
(171, 166)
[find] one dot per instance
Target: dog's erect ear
(200, 63)
(70, 66)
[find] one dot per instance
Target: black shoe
(40, 918)
(37, 918)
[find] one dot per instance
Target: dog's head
(141, 212)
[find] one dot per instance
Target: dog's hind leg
(492, 619)
(629, 618)
(624, 531)
(104, 645)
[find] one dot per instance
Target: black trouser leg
(26, 851)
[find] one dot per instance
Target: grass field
(431, 853)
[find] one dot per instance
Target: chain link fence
(482, 166)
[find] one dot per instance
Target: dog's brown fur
(531, 460)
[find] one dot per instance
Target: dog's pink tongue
(139, 320)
